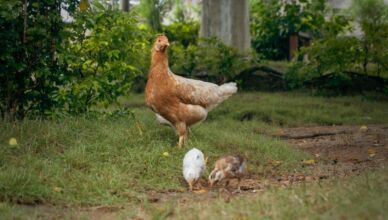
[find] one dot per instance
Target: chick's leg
(198, 185)
(238, 190)
(190, 185)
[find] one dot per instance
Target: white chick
(193, 166)
(228, 167)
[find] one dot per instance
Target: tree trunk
(365, 63)
(293, 46)
(228, 20)
(124, 5)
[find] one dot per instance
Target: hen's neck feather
(159, 60)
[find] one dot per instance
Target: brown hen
(178, 101)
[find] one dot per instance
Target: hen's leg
(181, 141)
(182, 132)
(188, 131)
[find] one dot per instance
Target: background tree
(372, 16)
(153, 11)
(124, 5)
(228, 20)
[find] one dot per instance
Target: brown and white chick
(226, 168)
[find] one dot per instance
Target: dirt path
(338, 151)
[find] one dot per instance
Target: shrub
(105, 51)
(210, 58)
(185, 33)
(273, 21)
(336, 60)
(30, 71)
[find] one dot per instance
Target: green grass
(295, 109)
(361, 197)
(84, 161)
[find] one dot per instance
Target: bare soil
(336, 151)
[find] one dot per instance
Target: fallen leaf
(12, 142)
(309, 162)
(200, 191)
(354, 160)
(317, 155)
(364, 128)
(275, 162)
(166, 154)
(371, 152)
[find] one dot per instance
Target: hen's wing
(205, 94)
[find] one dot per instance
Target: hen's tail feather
(224, 92)
(228, 89)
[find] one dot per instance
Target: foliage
(153, 12)
(337, 53)
(103, 54)
(31, 33)
(334, 55)
(372, 15)
(212, 57)
(50, 66)
(179, 12)
(185, 33)
(273, 21)
(265, 30)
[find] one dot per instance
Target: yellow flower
(12, 142)
(166, 154)
(57, 189)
